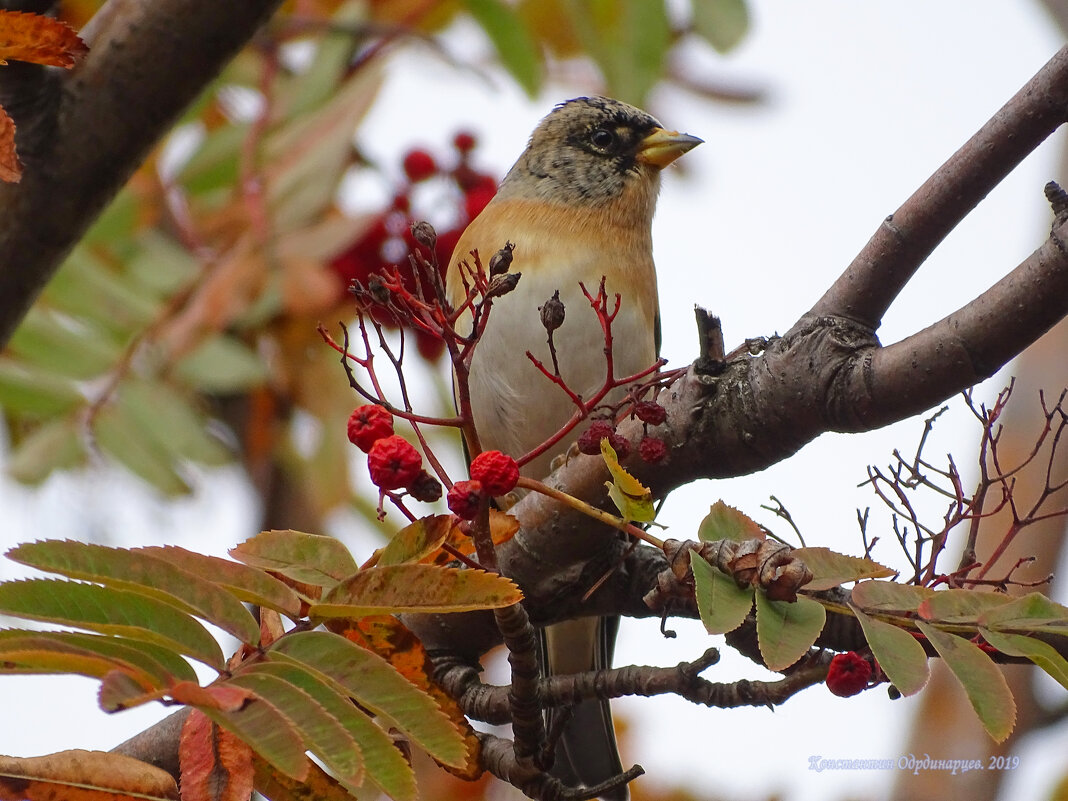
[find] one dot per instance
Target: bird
(578, 206)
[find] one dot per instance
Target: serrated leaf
(28, 655)
(215, 763)
(115, 433)
(416, 540)
(722, 603)
(960, 606)
(75, 773)
(35, 392)
(247, 583)
(981, 679)
(110, 611)
(55, 445)
(727, 523)
(516, 48)
(323, 734)
(163, 665)
(396, 589)
(632, 498)
(145, 574)
(270, 734)
(900, 656)
(889, 596)
(831, 569)
(308, 558)
(88, 289)
(377, 685)
(785, 631)
(166, 418)
(120, 691)
(39, 40)
(61, 345)
(318, 785)
(1033, 612)
(222, 365)
(721, 23)
(1041, 653)
(384, 763)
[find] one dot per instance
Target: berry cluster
(392, 461)
(651, 449)
(492, 474)
(389, 238)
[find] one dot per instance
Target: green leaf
(631, 497)
(161, 264)
(222, 365)
(61, 345)
(514, 42)
(377, 685)
(247, 583)
(145, 574)
(166, 418)
(89, 290)
(55, 445)
(721, 23)
(1041, 653)
(726, 523)
(35, 392)
(722, 603)
(322, 733)
(110, 611)
(384, 764)
(981, 679)
(888, 596)
(785, 631)
(900, 655)
(416, 540)
(1033, 612)
(308, 558)
(116, 434)
(164, 666)
(830, 569)
(268, 732)
(396, 589)
(960, 606)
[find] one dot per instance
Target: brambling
(578, 205)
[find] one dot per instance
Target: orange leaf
(391, 640)
(226, 697)
(89, 775)
(216, 764)
(41, 40)
(10, 167)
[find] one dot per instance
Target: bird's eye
(603, 139)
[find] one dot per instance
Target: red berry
(425, 488)
(402, 203)
(464, 499)
(590, 441)
(849, 674)
(368, 424)
(464, 141)
(393, 463)
(620, 444)
(419, 165)
(652, 449)
(650, 412)
(497, 471)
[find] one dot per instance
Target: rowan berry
(650, 412)
(849, 674)
(425, 488)
(652, 449)
(590, 441)
(368, 424)
(393, 463)
(419, 165)
(464, 499)
(464, 141)
(497, 471)
(620, 444)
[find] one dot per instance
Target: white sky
(866, 99)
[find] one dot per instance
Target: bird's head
(591, 150)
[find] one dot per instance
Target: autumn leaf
(40, 40)
(10, 167)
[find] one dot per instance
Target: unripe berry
(464, 499)
(393, 463)
(849, 674)
(368, 424)
(497, 471)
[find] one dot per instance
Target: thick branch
(149, 59)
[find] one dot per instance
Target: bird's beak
(661, 147)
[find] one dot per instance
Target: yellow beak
(661, 147)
